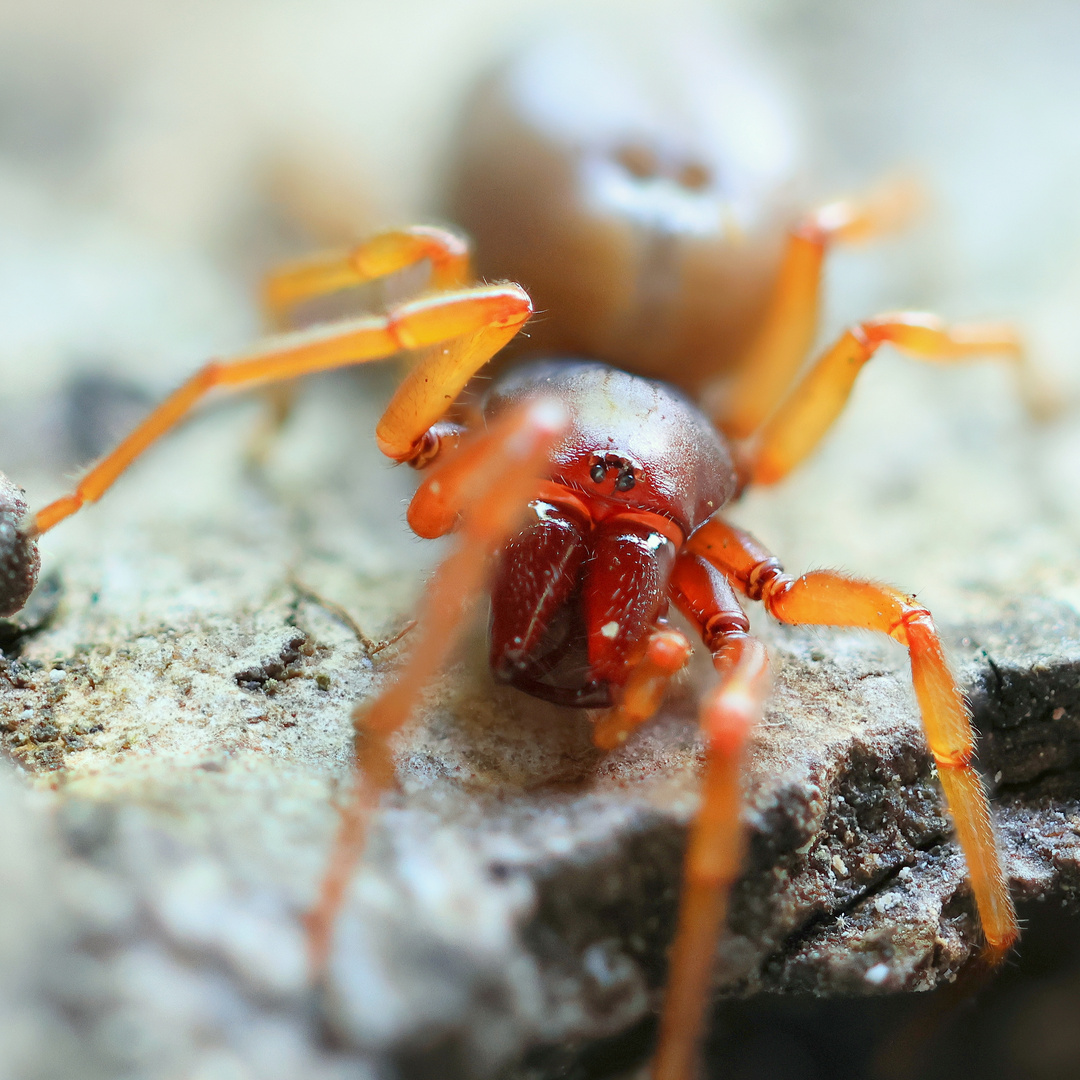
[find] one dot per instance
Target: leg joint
(911, 616)
(723, 626)
(954, 759)
(440, 438)
(765, 578)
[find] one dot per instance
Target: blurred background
(156, 158)
(185, 130)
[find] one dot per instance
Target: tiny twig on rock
(370, 646)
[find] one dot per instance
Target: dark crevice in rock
(601, 1059)
(1029, 720)
(824, 919)
(625, 896)
(1056, 781)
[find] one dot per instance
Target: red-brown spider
(620, 479)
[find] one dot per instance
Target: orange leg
(288, 286)
(470, 325)
(387, 253)
(666, 652)
(501, 482)
(810, 410)
(826, 598)
(772, 362)
(715, 851)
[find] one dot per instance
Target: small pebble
(877, 974)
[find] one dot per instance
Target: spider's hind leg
(288, 286)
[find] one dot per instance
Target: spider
(593, 489)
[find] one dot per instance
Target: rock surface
(174, 704)
(184, 709)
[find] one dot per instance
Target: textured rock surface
(175, 707)
(19, 560)
(187, 710)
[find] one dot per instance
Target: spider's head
(19, 559)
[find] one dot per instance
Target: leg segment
(770, 366)
(826, 598)
(666, 653)
(291, 285)
(472, 324)
(503, 482)
(294, 283)
(715, 851)
(812, 407)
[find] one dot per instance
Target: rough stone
(519, 891)
(19, 558)
(174, 704)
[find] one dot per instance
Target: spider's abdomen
(640, 190)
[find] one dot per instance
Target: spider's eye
(598, 472)
(625, 482)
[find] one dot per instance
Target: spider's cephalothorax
(584, 581)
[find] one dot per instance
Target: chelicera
(586, 494)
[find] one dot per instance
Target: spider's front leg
(480, 489)
(461, 330)
(827, 598)
(467, 328)
(714, 852)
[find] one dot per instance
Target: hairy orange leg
(294, 283)
(715, 850)
(665, 653)
(827, 598)
(768, 369)
(502, 479)
(793, 431)
(470, 325)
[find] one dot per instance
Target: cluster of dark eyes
(624, 481)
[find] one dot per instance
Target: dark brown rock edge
(19, 558)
